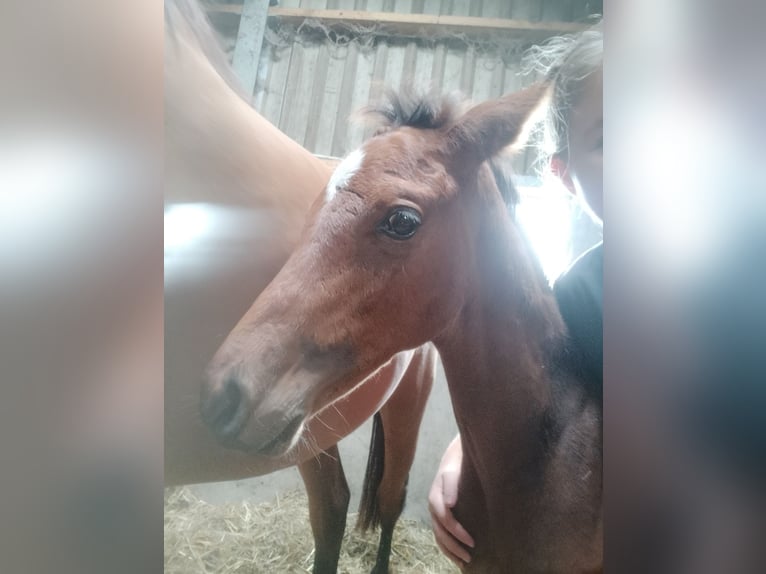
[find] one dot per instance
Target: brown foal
(413, 242)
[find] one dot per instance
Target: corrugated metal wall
(310, 86)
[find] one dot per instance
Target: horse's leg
(328, 504)
(392, 451)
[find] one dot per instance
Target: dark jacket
(580, 295)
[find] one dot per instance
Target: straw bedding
(275, 538)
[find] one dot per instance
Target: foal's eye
(401, 223)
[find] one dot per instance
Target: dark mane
(409, 108)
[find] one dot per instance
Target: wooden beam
(416, 25)
(247, 51)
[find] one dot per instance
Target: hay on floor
(276, 537)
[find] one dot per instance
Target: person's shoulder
(585, 273)
(579, 294)
(589, 262)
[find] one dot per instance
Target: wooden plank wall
(311, 87)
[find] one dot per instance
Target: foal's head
(380, 268)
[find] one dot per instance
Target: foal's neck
(496, 358)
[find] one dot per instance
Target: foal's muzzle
(258, 400)
(240, 422)
(226, 411)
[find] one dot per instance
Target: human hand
(450, 535)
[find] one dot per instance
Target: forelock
(410, 108)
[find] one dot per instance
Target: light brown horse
(413, 243)
(238, 190)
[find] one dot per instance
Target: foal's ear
(489, 127)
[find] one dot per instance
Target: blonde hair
(565, 61)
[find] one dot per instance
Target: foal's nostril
(232, 397)
(226, 412)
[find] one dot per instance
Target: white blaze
(344, 172)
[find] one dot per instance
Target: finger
(458, 562)
(435, 501)
(443, 515)
(446, 551)
(447, 541)
(449, 488)
(456, 529)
